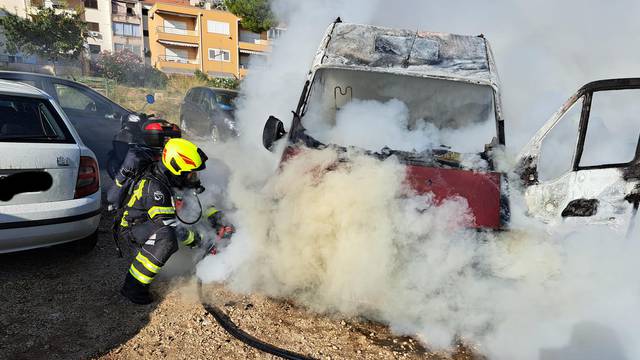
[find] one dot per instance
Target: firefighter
(149, 217)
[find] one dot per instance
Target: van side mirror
(273, 131)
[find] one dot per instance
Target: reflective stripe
(161, 210)
(137, 194)
(118, 184)
(123, 221)
(140, 276)
(147, 263)
(211, 212)
(189, 238)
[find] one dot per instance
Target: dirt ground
(57, 305)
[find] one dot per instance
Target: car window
(197, 96)
(613, 128)
(73, 98)
(207, 100)
(225, 101)
(559, 144)
(24, 119)
(32, 82)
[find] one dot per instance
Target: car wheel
(84, 245)
(215, 134)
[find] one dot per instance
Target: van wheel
(84, 245)
(215, 134)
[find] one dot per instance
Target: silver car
(49, 180)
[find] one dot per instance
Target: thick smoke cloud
(351, 240)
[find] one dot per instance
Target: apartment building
(113, 24)
(183, 39)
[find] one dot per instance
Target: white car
(49, 180)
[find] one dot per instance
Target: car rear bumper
(30, 226)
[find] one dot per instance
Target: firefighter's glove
(225, 232)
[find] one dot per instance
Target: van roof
(407, 52)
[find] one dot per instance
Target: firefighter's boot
(135, 291)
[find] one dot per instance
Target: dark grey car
(96, 118)
(209, 112)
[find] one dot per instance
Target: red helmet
(157, 132)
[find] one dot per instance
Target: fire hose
(230, 327)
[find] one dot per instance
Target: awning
(253, 52)
(176, 43)
(166, 12)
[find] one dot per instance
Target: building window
(91, 4)
(145, 12)
(218, 27)
(92, 26)
(130, 10)
(94, 49)
(133, 48)
(124, 29)
(219, 55)
(145, 33)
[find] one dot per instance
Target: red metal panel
(481, 190)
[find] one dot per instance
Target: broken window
(559, 145)
(614, 128)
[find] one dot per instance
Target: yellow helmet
(180, 156)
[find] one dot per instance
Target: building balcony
(255, 46)
(178, 35)
(177, 65)
(126, 18)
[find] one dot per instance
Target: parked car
(209, 112)
(96, 118)
(49, 179)
(584, 164)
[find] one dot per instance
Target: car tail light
(88, 177)
(153, 126)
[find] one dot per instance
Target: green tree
(48, 33)
(256, 15)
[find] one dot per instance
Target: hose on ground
(229, 326)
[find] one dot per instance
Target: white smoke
(350, 240)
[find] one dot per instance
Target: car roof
(20, 89)
(21, 75)
(221, 90)
(407, 52)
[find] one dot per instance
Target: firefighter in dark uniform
(149, 217)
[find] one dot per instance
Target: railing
(177, 59)
(255, 41)
(170, 30)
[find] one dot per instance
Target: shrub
(126, 67)
(225, 83)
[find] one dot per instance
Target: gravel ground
(58, 305)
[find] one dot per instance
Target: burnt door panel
(578, 165)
